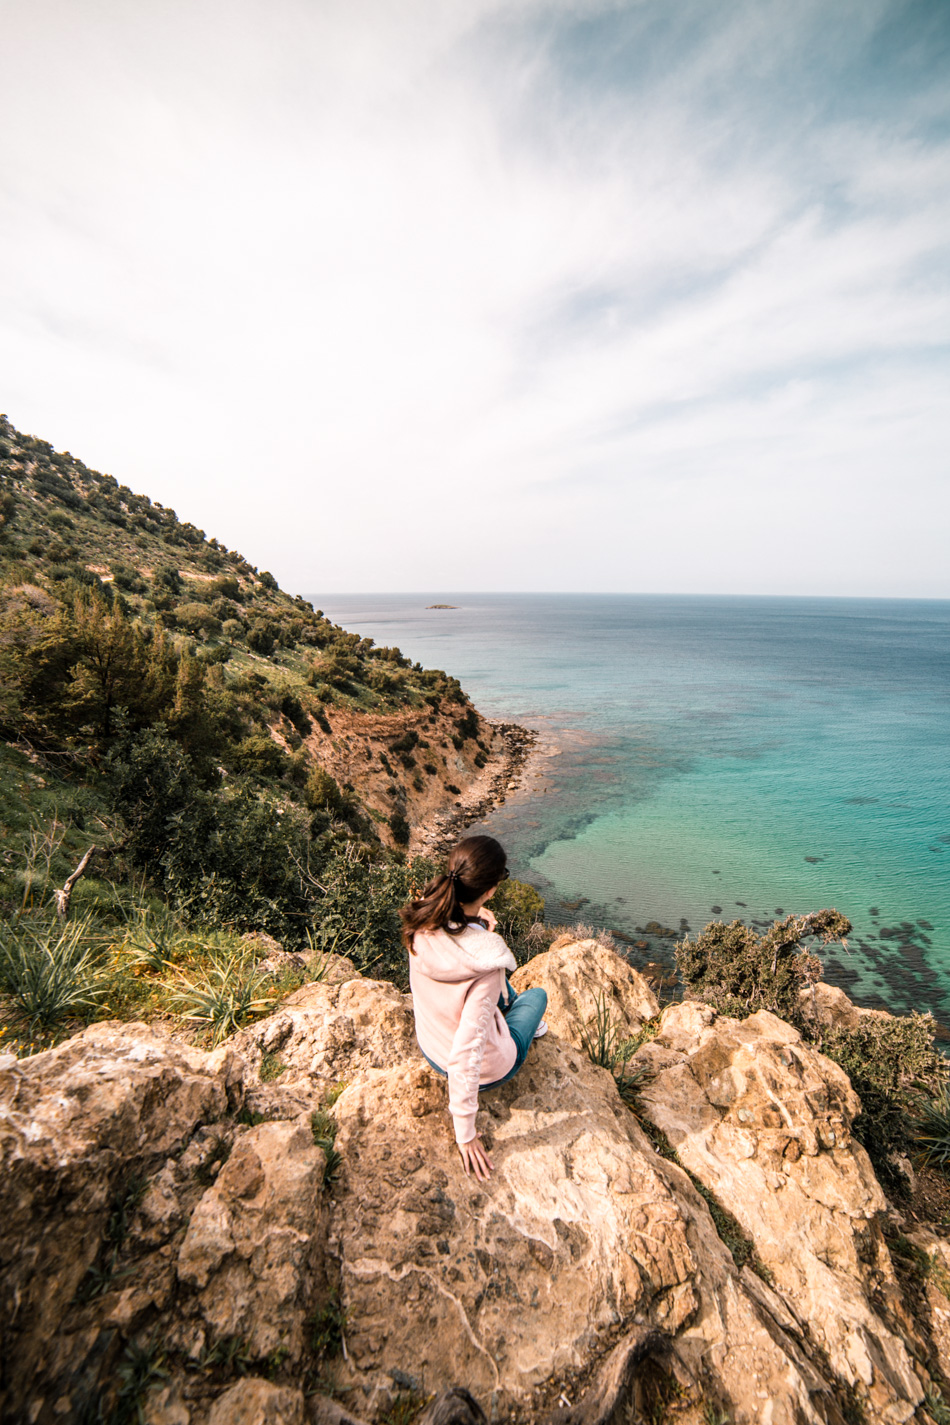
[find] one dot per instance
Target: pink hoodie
(456, 982)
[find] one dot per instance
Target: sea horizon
(717, 757)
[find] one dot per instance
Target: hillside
(163, 697)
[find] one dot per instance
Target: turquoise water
(718, 758)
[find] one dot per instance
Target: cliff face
(246, 1234)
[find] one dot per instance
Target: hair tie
(455, 875)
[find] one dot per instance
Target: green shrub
(891, 1062)
(400, 828)
(738, 971)
(468, 725)
(262, 636)
(517, 907)
(232, 855)
(260, 756)
(361, 902)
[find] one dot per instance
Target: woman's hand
(489, 916)
(475, 1159)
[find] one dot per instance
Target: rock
(257, 1402)
(262, 944)
(164, 1406)
(453, 1407)
(323, 1410)
(324, 1033)
(580, 977)
(831, 1008)
(587, 1264)
(505, 1284)
(77, 1125)
(764, 1122)
(614, 1384)
(255, 1244)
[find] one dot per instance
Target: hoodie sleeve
(468, 1046)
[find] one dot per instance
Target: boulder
(258, 1402)
(764, 1122)
(829, 1008)
(326, 1032)
(584, 980)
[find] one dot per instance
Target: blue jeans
(522, 1016)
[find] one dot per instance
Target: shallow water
(718, 758)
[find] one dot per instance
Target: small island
(441, 606)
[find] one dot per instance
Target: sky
(647, 296)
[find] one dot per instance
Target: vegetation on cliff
(167, 684)
(891, 1061)
(240, 763)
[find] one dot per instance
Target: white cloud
(361, 286)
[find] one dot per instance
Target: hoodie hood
(454, 958)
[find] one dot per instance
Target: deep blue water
(751, 754)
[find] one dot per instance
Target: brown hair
(474, 866)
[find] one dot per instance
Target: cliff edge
(281, 1231)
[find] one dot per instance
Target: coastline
(438, 833)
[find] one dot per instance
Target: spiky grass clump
(323, 1128)
(931, 1131)
(602, 1035)
(52, 973)
(222, 997)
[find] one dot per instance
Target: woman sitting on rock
(471, 1025)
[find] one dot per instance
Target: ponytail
(474, 866)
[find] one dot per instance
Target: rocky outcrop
(765, 1123)
(170, 1226)
(80, 1128)
(587, 984)
(509, 1285)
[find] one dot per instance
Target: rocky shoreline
(439, 832)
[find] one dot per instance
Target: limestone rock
(255, 1243)
(258, 1402)
(936, 1290)
(764, 1122)
(582, 977)
(76, 1124)
(587, 1259)
(831, 1008)
(581, 1229)
(327, 1032)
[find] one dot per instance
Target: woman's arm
(465, 1061)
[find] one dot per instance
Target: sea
(716, 758)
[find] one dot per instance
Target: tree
(111, 663)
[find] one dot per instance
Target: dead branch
(64, 896)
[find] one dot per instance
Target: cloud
(565, 287)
